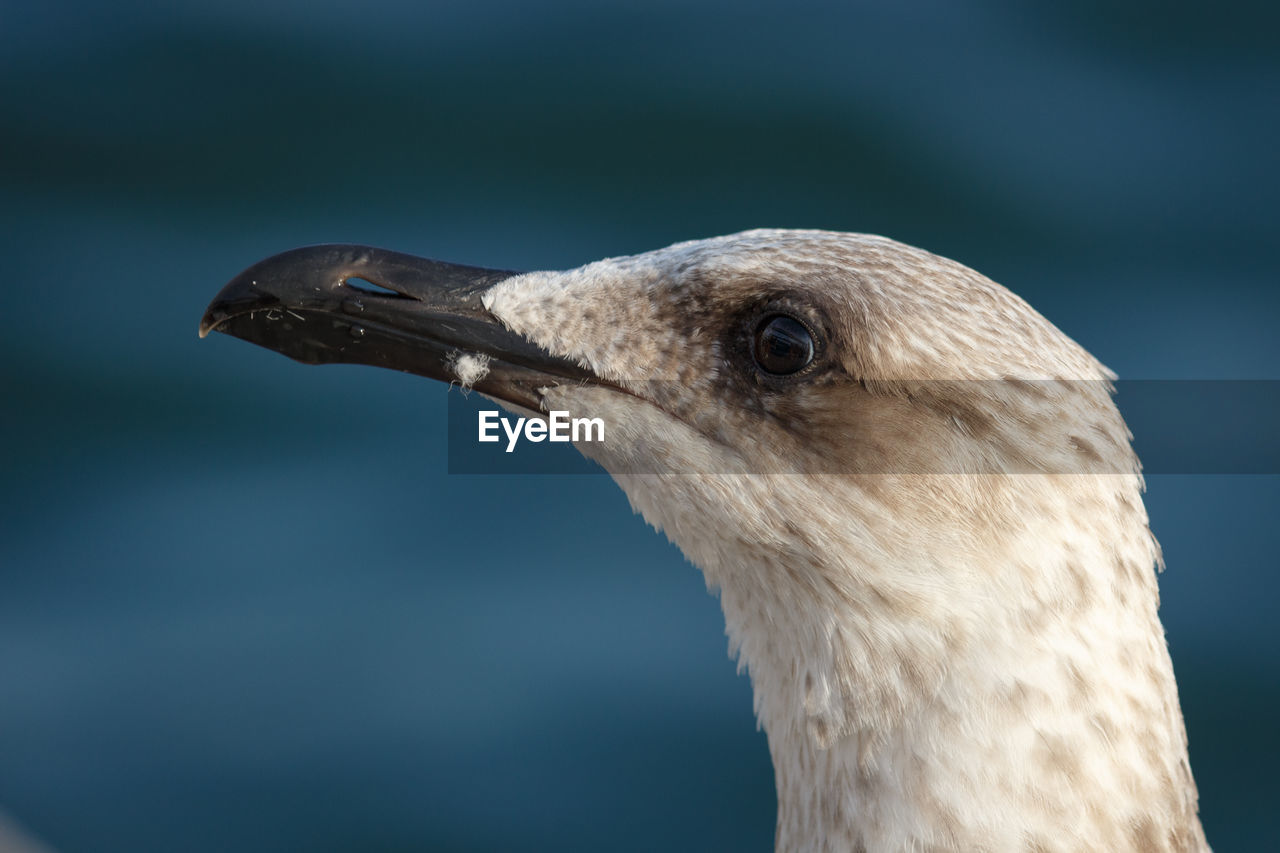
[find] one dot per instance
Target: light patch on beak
(469, 367)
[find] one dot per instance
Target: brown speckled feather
(931, 549)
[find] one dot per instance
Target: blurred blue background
(243, 606)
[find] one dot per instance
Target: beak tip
(210, 321)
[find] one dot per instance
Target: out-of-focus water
(242, 605)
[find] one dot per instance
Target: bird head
(814, 352)
(834, 427)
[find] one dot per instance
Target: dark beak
(360, 305)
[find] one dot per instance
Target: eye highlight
(782, 345)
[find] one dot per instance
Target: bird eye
(782, 345)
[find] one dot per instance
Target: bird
(913, 494)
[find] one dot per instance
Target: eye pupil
(782, 345)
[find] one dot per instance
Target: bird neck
(1023, 753)
(974, 675)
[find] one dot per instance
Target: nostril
(363, 285)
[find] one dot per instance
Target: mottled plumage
(917, 501)
(931, 551)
